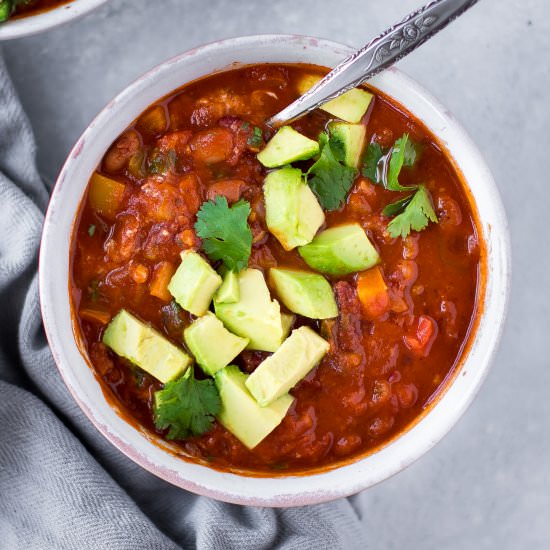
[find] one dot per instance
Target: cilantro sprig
(328, 177)
(186, 406)
(383, 168)
(412, 212)
(225, 232)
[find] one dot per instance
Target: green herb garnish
(414, 212)
(331, 180)
(257, 137)
(383, 167)
(161, 162)
(371, 162)
(225, 232)
(91, 230)
(186, 406)
(403, 154)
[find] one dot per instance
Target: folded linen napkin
(62, 485)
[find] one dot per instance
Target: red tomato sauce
(384, 368)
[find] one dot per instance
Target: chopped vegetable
(225, 232)
(424, 335)
(415, 215)
(135, 164)
(287, 146)
(186, 406)
(162, 275)
(91, 230)
(153, 121)
(95, 315)
(373, 292)
(331, 180)
(105, 195)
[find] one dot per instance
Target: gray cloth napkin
(62, 485)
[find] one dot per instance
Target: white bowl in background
(42, 21)
(149, 451)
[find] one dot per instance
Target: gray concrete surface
(487, 484)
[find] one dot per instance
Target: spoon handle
(379, 54)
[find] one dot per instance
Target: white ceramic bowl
(138, 445)
(33, 24)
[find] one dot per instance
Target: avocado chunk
(228, 293)
(194, 283)
(293, 214)
(287, 320)
(340, 250)
(352, 140)
(280, 372)
(308, 294)
(213, 346)
(350, 106)
(287, 146)
(136, 341)
(254, 316)
(241, 414)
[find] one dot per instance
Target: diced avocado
(194, 283)
(228, 293)
(213, 346)
(287, 320)
(131, 338)
(308, 294)
(280, 372)
(350, 106)
(254, 316)
(241, 414)
(352, 139)
(293, 214)
(340, 250)
(287, 146)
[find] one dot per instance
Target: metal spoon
(379, 54)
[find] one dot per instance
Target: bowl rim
(45, 20)
(350, 478)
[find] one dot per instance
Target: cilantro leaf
(383, 167)
(186, 406)
(225, 232)
(257, 137)
(331, 179)
(395, 208)
(370, 162)
(415, 216)
(403, 154)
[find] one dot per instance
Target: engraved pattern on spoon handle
(379, 54)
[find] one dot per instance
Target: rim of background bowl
(292, 490)
(45, 20)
